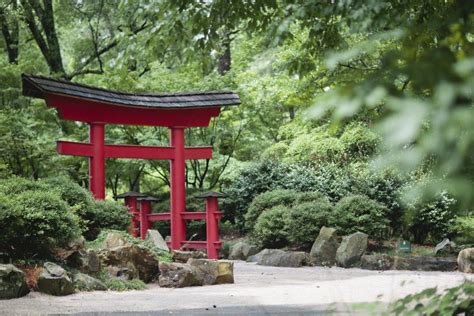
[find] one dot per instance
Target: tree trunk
(10, 32)
(224, 59)
(47, 42)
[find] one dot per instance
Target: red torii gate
(98, 107)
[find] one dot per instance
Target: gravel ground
(258, 290)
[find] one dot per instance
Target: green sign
(404, 246)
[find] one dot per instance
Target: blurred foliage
(453, 301)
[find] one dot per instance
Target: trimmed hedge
(306, 219)
(266, 201)
(32, 223)
(270, 229)
(359, 213)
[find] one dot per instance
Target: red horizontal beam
(132, 151)
(154, 217)
(74, 149)
(139, 152)
(193, 215)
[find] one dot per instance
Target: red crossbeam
(132, 151)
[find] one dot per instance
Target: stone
(377, 262)
(210, 272)
(183, 256)
(280, 258)
(425, 263)
(446, 246)
(323, 251)
(225, 272)
(174, 274)
(157, 240)
(86, 261)
(12, 282)
(54, 280)
(351, 249)
(84, 282)
(137, 260)
(114, 240)
(242, 250)
(71, 247)
(466, 260)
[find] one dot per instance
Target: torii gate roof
(91, 104)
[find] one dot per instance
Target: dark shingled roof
(148, 198)
(38, 86)
(211, 194)
(130, 194)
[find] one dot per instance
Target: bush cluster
(37, 216)
(295, 219)
(331, 180)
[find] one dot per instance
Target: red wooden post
(97, 161)
(131, 203)
(212, 230)
(145, 209)
(178, 188)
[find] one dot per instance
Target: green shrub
(360, 213)
(16, 185)
(71, 192)
(381, 186)
(275, 152)
(306, 219)
(464, 230)
(267, 201)
(105, 215)
(34, 222)
(257, 178)
(432, 221)
(303, 197)
(270, 229)
(359, 141)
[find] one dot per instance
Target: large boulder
(174, 274)
(210, 272)
(138, 260)
(242, 250)
(86, 261)
(280, 258)
(12, 282)
(323, 252)
(114, 240)
(445, 247)
(182, 256)
(84, 282)
(377, 262)
(70, 248)
(54, 280)
(466, 260)
(425, 263)
(351, 249)
(157, 240)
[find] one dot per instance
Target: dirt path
(257, 290)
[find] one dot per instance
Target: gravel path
(258, 290)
